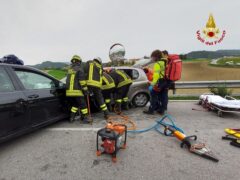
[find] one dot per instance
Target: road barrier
(205, 84)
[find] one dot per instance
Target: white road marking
(73, 129)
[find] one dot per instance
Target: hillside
(212, 54)
(51, 65)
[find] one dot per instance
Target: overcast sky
(40, 30)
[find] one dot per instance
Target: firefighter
(108, 88)
(157, 82)
(123, 83)
(76, 88)
(94, 73)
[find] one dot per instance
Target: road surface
(67, 151)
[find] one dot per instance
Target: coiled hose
(160, 123)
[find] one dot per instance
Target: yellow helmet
(76, 58)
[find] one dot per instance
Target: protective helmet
(98, 59)
(75, 59)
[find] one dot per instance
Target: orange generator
(113, 138)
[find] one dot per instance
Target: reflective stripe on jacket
(75, 81)
(120, 78)
(158, 71)
(94, 74)
(108, 82)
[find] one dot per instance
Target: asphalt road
(67, 151)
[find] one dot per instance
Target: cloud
(55, 30)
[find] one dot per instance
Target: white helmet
(98, 59)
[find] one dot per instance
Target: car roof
(15, 65)
(26, 68)
(20, 66)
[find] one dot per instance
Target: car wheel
(200, 102)
(140, 100)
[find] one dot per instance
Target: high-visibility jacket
(158, 71)
(108, 82)
(120, 78)
(94, 74)
(76, 81)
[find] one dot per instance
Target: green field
(229, 62)
(57, 73)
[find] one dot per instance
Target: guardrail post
(174, 91)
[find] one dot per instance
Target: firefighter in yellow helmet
(108, 88)
(94, 73)
(122, 82)
(76, 88)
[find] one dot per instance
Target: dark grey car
(29, 99)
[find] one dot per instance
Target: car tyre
(200, 102)
(140, 100)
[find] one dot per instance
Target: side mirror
(61, 85)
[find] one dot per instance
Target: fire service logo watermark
(211, 34)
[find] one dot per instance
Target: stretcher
(219, 104)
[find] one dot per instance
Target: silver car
(138, 94)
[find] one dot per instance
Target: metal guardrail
(206, 84)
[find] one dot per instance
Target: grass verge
(57, 73)
(183, 98)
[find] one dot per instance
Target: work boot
(109, 106)
(86, 119)
(148, 112)
(106, 114)
(117, 108)
(72, 117)
(126, 106)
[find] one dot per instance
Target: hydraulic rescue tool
(170, 129)
(233, 135)
(191, 143)
(114, 138)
